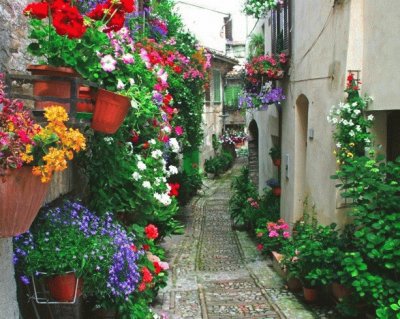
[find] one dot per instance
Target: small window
(281, 29)
(217, 86)
(228, 28)
(231, 96)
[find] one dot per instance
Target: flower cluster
(233, 137)
(72, 238)
(352, 135)
(267, 66)
(273, 235)
(55, 144)
(258, 8)
(23, 142)
(261, 100)
(253, 203)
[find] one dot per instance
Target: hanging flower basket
(64, 288)
(110, 111)
(22, 194)
(58, 89)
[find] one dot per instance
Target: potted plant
(82, 46)
(69, 240)
(275, 153)
(259, 8)
(30, 151)
(273, 235)
(275, 185)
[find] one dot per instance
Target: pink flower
(273, 233)
(260, 247)
(286, 234)
(260, 234)
(179, 130)
(164, 265)
(108, 63)
(128, 58)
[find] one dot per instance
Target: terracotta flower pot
(310, 294)
(62, 287)
(276, 191)
(340, 291)
(21, 196)
(277, 162)
(59, 89)
(294, 284)
(110, 111)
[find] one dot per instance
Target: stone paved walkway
(216, 272)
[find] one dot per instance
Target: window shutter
(281, 29)
(228, 28)
(231, 96)
(217, 86)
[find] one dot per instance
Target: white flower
(166, 129)
(351, 133)
(129, 148)
(358, 128)
(134, 104)
(141, 166)
(370, 117)
(334, 120)
(157, 181)
(163, 198)
(174, 145)
(152, 141)
(120, 85)
(338, 145)
(172, 170)
(350, 123)
(131, 81)
(146, 184)
(357, 111)
(109, 140)
(156, 154)
(354, 104)
(367, 140)
(139, 157)
(136, 176)
(108, 63)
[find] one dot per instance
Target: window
(217, 86)
(228, 28)
(231, 96)
(281, 29)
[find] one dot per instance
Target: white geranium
(166, 129)
(152, 141)
(136, 176)
(146, 184)
(351, 133)
(156, 154)
(172, 170)
(370, 117)
(141, 166)
(174, 145)
(338, 145)
(163, 198)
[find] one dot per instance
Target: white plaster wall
(208, 25)
(320, 34)
(381, 70)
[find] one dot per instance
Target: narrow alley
(216, 272)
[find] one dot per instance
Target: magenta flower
(273, 233)
(286, 234)
(179, 130)
(128, 58)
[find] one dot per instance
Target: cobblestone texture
(216, 272)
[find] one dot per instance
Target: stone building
(14, 59)
(325, 40)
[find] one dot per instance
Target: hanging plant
(258, 8)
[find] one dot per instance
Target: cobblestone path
(216, 272)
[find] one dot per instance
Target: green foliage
(219, 164)
(190, 183)
(256, 45)
(275, 152)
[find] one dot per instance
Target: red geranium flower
(146, 275)
(174, 189)
(157, 267)
(38, 10)
(68, 21)
(151, 231)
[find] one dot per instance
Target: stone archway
(253, 152)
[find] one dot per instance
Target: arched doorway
(253, 152)
(302, 105)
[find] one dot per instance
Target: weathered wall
(13, 58)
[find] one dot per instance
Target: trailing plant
(259, 8)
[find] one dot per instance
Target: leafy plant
(275, 152)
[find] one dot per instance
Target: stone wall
(13, 58)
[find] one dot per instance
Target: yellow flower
(56, 114)
(349, 154)
(351, 144)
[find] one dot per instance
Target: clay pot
(110, 111)
(277, 162)
(340, 291)
(21, 196)
(62, 287)
(310, 294)
(276, 191)
(294, 284)
(59, 89)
